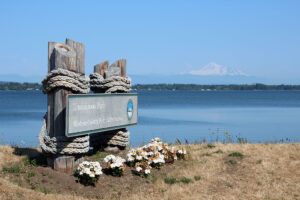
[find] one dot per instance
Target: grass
(44, 190)
(186, 180)
(232, 162)
(210, 146)
(173, 180)
(229, 185)
(99, 156)
(30, 174)
(151, 178)
(14, 169)
(206, 154)
(233, 171)
(33, 186)
(236, 154)
(218, 151)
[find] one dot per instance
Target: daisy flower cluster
(153, 155)
(88, 172)
(115, 164)
(142, 169)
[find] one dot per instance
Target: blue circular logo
(129, 109)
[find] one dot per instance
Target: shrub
(142, 169)
(154, 154)
(115, 165)
(88, 172)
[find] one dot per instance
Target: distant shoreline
(15, 86)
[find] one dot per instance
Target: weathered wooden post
(69, 56)
(118, 68)
(101, 68)
(111, 79)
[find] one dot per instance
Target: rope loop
(113, 84)
(77, 83)
(61, 144)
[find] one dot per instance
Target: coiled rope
(61, 144)
(112, 84)
(77, 83)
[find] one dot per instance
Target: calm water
(193, 115)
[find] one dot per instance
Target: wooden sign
(93, 113)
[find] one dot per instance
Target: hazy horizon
(200, 39)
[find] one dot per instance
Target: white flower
(92, 175)
(130, 159)
(139, 157)
(116, 161)
(98, 173)
(147, 171)
(156, 140)
(158, 161)
(109, 158)
(150, 153)
(89, 168)
(138, 169)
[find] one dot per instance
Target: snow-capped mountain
(214, 69)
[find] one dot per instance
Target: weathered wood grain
(70, 57)
(79, 48)
(122, 64)
(118, 68)
(64, 57)
(64, 164)
(101, 68)
(50, 99)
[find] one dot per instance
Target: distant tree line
(19, 86)
(257, 86)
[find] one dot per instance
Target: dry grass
(269, 171)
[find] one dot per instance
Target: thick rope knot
(62, 78)
(113, 84)
(77, 83)
(115, 138)
(61, 144)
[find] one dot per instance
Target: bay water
(193, 116)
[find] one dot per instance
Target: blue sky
(260, 38)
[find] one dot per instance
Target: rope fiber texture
(113, 84)
(62, 144)
(77, 83)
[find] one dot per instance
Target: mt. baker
(216, 69)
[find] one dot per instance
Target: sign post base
(64, 163)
